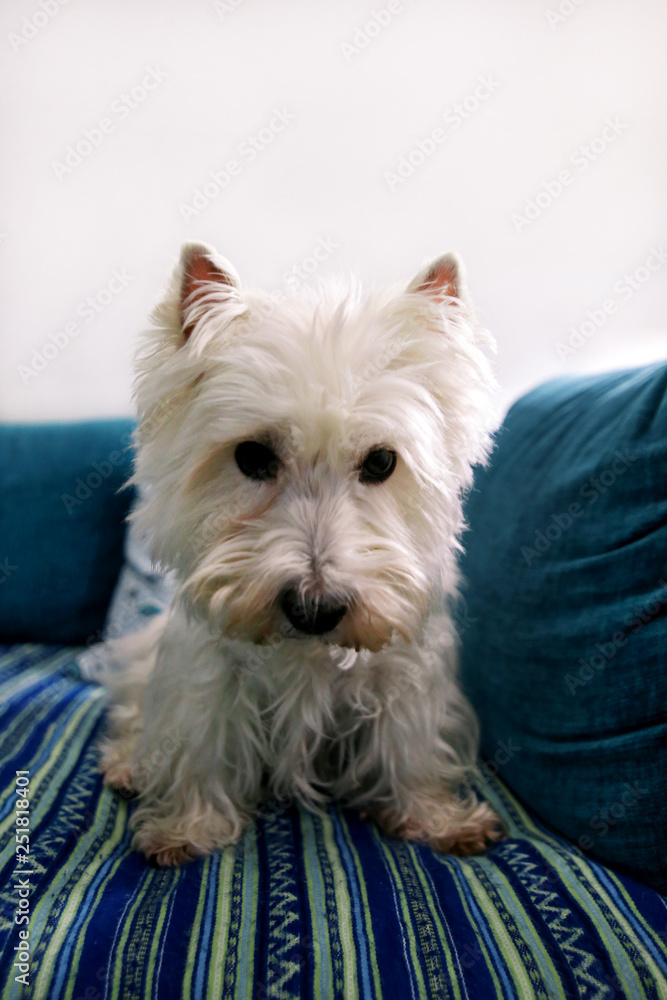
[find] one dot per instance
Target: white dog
(304, 464)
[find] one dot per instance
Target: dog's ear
(203, 275)
(443, 278)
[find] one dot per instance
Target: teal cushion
(564, 625)
(61, 527)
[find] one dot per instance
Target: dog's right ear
(441, 279)
(205, 279)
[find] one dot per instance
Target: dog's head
(305, 456)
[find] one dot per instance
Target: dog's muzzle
(312, 615)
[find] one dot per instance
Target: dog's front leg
(197, 776)
(419, 754)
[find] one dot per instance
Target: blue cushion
(564, 625)
(61, 527)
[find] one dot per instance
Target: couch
(325, 906)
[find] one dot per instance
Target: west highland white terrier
(303, 463)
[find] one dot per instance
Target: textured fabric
(142, 591)
(61, 527)
(320, 907)
(564, 626)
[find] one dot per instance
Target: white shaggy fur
(223, 702)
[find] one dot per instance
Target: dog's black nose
(312, 615)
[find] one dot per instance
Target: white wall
(226, 66)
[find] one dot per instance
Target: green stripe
(119, 961)
(407, 925)
(22, 725)
(343, 908)
(193, 950)
(365, 908)
(245, 945)
(156, 932)
(55, 772)
(588, 901)
(525, 988)
(322, 964)
(218, 944)
(110, 848)
(530, 933)
(76, 895)
(30, 676)
(83, 725)
(601, 897)
(489, 959)
(435, 915)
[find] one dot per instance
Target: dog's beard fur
(322, 380)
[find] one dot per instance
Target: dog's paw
(474, 835)
(172, 857)
(119, 777)
(163, 851)
(117, 766)
(462, 836)
(175, 840)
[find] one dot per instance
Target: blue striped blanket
(315, 906)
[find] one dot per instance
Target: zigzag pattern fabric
(314, 906)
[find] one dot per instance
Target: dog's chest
(311, 708)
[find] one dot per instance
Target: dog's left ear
(443, 278)
(203, 274)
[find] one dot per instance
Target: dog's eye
(257, 461)
(378, 465)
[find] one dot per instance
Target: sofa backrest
(61, 527)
